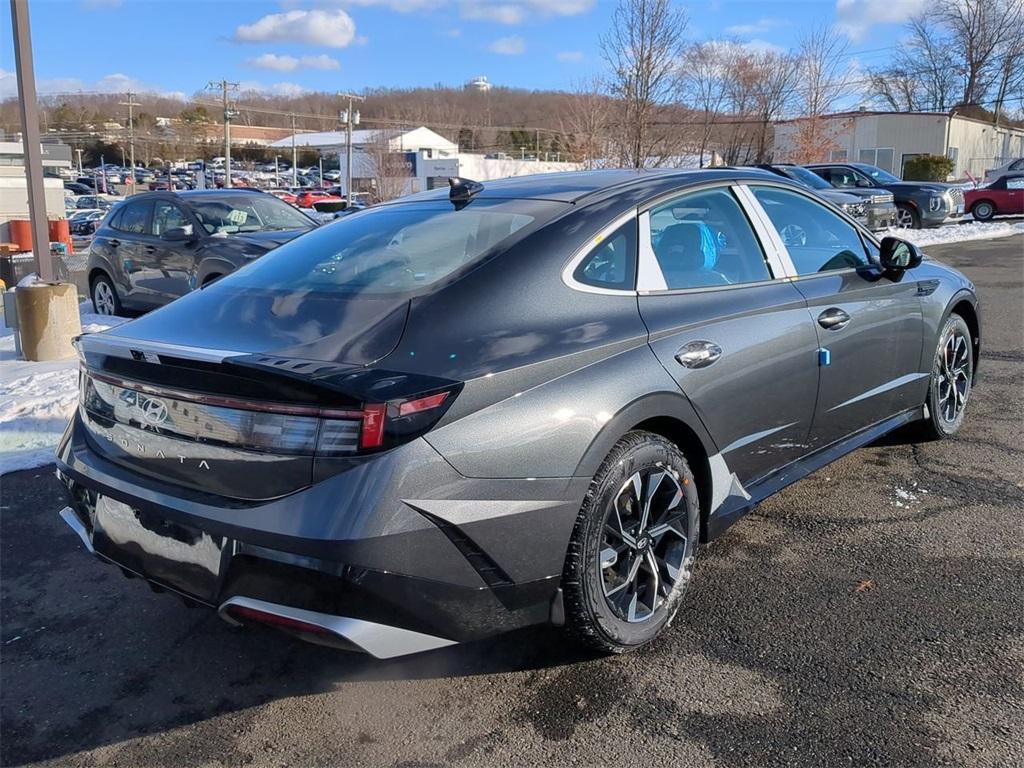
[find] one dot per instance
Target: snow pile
(37, 399)
(908, 497)
(958, 233)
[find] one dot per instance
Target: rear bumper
(399, 553)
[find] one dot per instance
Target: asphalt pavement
(873, 614)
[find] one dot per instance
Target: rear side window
(134, 217)
(612, 263)
(703, 239)
(167, 216)
(394, 248)
(817, 239)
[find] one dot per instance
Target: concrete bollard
(48, 319)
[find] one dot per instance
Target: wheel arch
(213, 265)
(673, 417)
(979, 201)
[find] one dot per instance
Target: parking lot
(872, 614)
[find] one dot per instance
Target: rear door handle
(833, 319)
(698, 354)
(113, 243)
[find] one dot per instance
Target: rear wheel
(952, 376)
(906, 217)
(983, 211)
(104, 296)
(633, 545)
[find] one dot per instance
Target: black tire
(210, 280)
(942, 421)
(105, 300)
(906, 213)
(983, 210)
(601, 619)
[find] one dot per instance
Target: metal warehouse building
(890, 139)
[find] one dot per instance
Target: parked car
(918, 203)
(501, 405)
(82, 227)
(1011, 166)
(88, 182)
(306, 198)
(876, 212)
(78, 189)
(103, 202)
(158, 246)
(283, 195)
(1003, 196)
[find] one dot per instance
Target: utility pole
(29, 108)
(295, 157)
(350, 118)
(277, 171)
(229, 115)
(131, 104)
(79, 153)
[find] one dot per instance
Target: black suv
(918, 203)
(157, 246)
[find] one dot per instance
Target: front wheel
(952, 376)
(906, 217)
(633, 546)
(983, 211)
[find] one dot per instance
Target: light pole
(79, 153)
(295, 158)
(277, 171)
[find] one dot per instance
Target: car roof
(574, 186)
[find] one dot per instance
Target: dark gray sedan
(158, 246)
(530, 401)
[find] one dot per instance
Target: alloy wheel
(103, 298)
(954, 376)
(644, 549)
(904, 219)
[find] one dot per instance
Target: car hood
(267, 240)
(918, 186)
(839, 198)
(309, 325)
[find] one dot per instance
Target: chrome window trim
(569, 270)
(122, 346)
(775, 250)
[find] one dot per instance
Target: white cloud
(508, 46)
(758, 27)
(761, 46)
(855, 18)
(518, 11)
(113, 83)
(285, 63)
(573, 56)
(401, 6)
(331, 29)
(453, 32)
(273, 89)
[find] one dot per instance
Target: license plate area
(178, 556)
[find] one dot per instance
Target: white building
(478, 83)
(14, 187)
(420, 159)
(890, 139)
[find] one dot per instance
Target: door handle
(114, 243)
(150, 249)
(698, 354)
(833, 319)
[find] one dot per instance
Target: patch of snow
(907, 497)
(38, 399)
(958, 233)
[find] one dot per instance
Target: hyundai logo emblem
(154, 411)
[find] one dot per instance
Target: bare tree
(390, 170)
(822, 80)
(585, 122)
(643, 49)
(704, 70)
(774, 75)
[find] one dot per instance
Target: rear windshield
(394, 248)
(811, 179)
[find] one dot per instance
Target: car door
(126, 248)
(172, 260)
(869, 326)
(1014, 195)
(724, 322)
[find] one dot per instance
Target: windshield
(804, 176)
(229, 214)
(393, 248)
(877, 174)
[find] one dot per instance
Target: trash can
(48, 320)
(21, 233)
(60, 232)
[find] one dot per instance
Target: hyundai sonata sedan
(493, 406)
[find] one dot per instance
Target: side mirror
(178, 234)
(899, 255)
(864, 183)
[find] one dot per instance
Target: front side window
(392, 249)
(843, 178)
(1015, 183)
(612, 263)
(703, 239)
(167, 216)
(134, 218)
(817, 239)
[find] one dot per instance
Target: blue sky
(176, 46)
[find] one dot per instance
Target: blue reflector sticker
(824, 356)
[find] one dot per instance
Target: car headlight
(936, 203)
